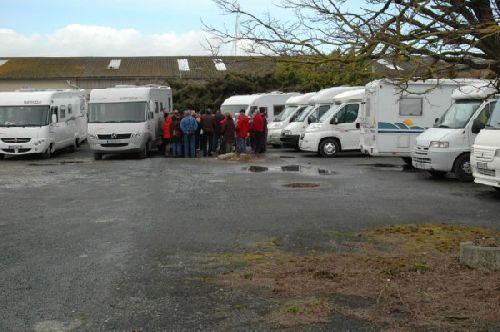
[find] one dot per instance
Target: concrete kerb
(482, 258)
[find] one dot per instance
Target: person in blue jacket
(188, 127)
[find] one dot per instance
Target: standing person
(207, 125)
(176, 135)
(228, 132)
(264, 137)
(166, 134)
(217, 119)
(196, 116)
(258, 128)
(242, 129)
(188, 127)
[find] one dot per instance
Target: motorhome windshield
(459, 114)
(302, 115)
(494, 122)
(288, 111)
(233, 109)
(319, 112)
(24, 116)
(118, 112)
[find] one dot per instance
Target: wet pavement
(119, 244)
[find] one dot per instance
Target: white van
(41, 121)
(272, 104)
(338, 129)
(485, 153)
(395, 115)
(294, 105)
(446, 147)
(127, 119)
(319, 104)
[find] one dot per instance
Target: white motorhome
(394, 115)
(485, 153)
(319, 104)
(127, 119)
(41, 121)
(294, 106)
(272, 104)
(338, 129)
(446, 147)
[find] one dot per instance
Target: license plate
(14, 147)
(482, 166)
(110, 141)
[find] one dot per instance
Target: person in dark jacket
(207, 125)
(228, 130)
(217, 119)
(197, 117)
(176, 135)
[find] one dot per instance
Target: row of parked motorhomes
(439, 126)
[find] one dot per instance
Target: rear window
(411, 106)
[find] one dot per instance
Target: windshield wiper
(443, 126)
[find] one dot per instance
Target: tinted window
(348, 114)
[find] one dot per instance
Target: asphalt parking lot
(115, 244)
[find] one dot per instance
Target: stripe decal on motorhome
(398, 128)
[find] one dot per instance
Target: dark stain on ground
(301, 185)
(290, 169)
(64, 162)
(257, 169)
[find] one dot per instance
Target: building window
(220, 65)
(183, 64)
(115, 64)
(411, 106)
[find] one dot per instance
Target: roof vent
(2, 62)
(115, 64)
(220, 65)
(183, 64)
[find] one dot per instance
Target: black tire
(276, 146)
(297, 148)
(78, 143)
(497, 189)
(145, 152)
(97, 156)
(73, 147)
(2, 156)
(47, 154)
(463, 170)
(407, 161)
(329, 148)
(437, 174)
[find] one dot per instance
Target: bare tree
(437, 37)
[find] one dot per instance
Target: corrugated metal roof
(201, 67)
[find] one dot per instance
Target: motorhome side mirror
(151, 115)
(436, 120)
(54, 119)
(334, 120)
(477, 126)
(309, 120)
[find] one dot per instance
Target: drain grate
(257, 169)
(301, 185)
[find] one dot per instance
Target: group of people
(213, 133)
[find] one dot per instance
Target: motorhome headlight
(39, 142)
(286, 132)
(439, 145)
(136, 135)
(92, 136)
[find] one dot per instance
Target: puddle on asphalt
(306, 170)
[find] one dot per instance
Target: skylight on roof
(115, 64)
(2, 62)
(183, 64)
(220, 65)
(389, 65)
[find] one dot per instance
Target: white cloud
(88, 40)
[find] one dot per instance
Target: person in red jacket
(242, 129)
(166, 134)
(258, 128)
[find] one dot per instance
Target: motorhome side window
(161, 107)
(157, 107)
(54, 110)
(278, 109)
(411, 106)
(82, 104)
(62, 112)
(263, 110)
(69, 109)
(348, 114)
(485, 115)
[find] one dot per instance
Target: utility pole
(236, 31)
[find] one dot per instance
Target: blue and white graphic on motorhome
(399, 127)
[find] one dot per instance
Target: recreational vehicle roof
(326, 96)
(241, 100)
(123, 94)
(372, 86)
(353, 95)
(40, 97)
(474, 92)
(301, 99)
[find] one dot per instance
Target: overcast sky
(111, 27)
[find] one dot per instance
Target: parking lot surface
(115, 244)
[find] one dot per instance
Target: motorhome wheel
(329, 148)
(276, 146)
(2, 156)
(463, 169)
(407, 161)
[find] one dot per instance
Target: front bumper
(309, 142)
(116, 146)
(488, 174)
(30, 147)
(434, 160)
(290, 141)
(274, 136)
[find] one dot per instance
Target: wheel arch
(335, 138)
